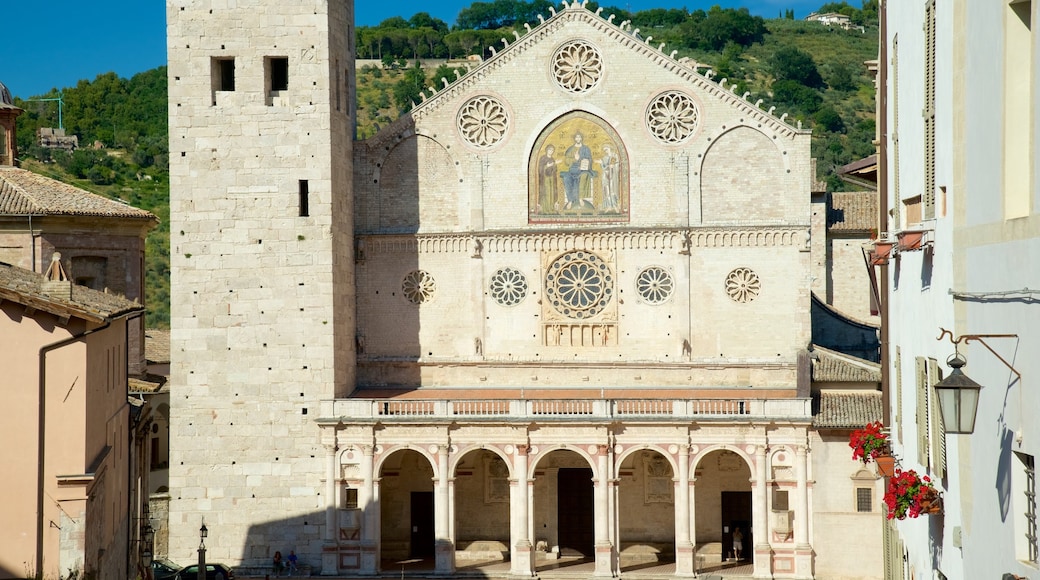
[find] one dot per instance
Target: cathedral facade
(560, 309)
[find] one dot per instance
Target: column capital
(523, 449)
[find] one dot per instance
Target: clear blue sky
(57, 43)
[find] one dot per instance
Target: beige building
(558, 312)
(66, 438)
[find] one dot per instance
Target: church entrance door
(422, 524)
(576, 512)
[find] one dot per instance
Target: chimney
(57, 283)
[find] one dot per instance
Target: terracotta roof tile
(845, 409)
(157, 346)
(26, 287)
(24, 192)
(832, 366)
(853, 211)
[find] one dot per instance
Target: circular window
(483, 121)
(743, 285)
(672, 117)
(508, 287)
(654, 285)
(579, 284)
(577, 66)
(418, 287)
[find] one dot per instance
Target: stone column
(369, 505)
(759, 520)
(601, 496)
(802, 548)
(523, 554)
(683, 547)
(330, 544)
(444, 549)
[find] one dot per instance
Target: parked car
(164, 570)
(213, 572)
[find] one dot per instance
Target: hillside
(814, 73)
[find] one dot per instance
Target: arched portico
(723, 505)
(646, 508)
(407, 512)
(481, 499)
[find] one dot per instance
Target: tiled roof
(832, 366)
(847, 409)
(26, 287)
(157, 346)
(26, 193)
(853, 211)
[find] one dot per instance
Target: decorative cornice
(678, 240)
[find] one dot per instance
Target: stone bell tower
(262, 312)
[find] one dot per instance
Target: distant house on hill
(834, 19)
(56, 139)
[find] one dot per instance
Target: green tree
(829, 119)
(790, 63)
(407, 90)
(797, 96)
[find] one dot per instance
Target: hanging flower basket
(869, 442)
(909, 495)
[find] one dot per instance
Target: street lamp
(958, 398)
(203, 533)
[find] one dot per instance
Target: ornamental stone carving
(483, 121)
(672, 117)
(743, 285)
(577, 67)
(508, 287)
(579, 284)
(654, 285)
(418, 287)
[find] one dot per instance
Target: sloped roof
(853, 211)
(26, 287)
(23, 192)
(833, 366)
(846, 410)
(157, 346)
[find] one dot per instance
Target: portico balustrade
(563, 409)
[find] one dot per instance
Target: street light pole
(203, 532)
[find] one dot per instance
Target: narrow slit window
(305, 202)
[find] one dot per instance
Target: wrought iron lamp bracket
(968, 338)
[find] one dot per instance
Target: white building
(960, 134)
(559, 310)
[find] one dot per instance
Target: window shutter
(921, 375)
(936, 421)
(896, 422)
(928, 195)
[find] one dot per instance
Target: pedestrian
(277, 565)
(292, 560)
(738, 542)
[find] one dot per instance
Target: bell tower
(263, 301)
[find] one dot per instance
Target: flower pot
(876, 260)
(931, 503)
(910, 240)
(883, 248)
(886, 465)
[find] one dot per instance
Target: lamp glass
(958, 402)
(203, 532)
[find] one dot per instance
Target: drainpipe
(41, 435)
(131, 530)
(882, 107)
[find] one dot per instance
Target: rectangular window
(911, 211)
(780, 500)
(864, 500)
(350, 501)
(921, 383)
(305, 202)
(224, 74)
(1023, 487)
(279, 70)
(1018, 108)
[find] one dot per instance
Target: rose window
(743, 285)
(418, 287)
(483, 121)
(654, 285)
(577, 66)
(672, 117)
(579, 284)
(508, 287)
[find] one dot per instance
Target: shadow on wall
(832, 330)
(303, 534)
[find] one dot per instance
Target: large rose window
(579, 284)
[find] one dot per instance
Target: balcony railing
(564, 409)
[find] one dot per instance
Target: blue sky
(60, 42)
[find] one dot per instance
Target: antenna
(60, 103)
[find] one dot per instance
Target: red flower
(869, 442)
(909, 495)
